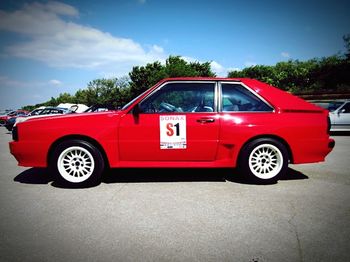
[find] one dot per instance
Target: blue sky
(51, 47)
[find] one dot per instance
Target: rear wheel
(77, 163)
(264, 160)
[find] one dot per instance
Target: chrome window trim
(216, 97)
(249, 90)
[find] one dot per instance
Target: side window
(181, 97)
(345, 108)
(236, 98)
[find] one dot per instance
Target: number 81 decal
(172, 132)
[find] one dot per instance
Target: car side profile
(181, 123)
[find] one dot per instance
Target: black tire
(9, 127)
(77, 163)
(263, 160)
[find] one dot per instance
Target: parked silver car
(339, 113)
(340, 117)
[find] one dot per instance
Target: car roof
(280, 99)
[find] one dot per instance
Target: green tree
(143, 77)
(329, 73)
(64, 98)
(104, 91)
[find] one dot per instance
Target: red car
(4, 118)
(181, 122)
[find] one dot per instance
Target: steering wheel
(167, 107)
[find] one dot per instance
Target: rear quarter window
(237, 98)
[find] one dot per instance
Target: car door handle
(205, 120)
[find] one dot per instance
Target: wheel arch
(275, 137)
(79, 137)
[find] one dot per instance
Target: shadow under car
(162, 175)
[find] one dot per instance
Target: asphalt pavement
(177, 214)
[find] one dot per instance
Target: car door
(177, 122)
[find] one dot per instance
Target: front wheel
(264, 160)
(77, 163)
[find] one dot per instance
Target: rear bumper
(312, 151)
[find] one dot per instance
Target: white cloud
(37, 19)
(234, 69)
(285, 54)
(218, 69)
(142, 1)
(61, 8)
(61, 43)
(55, 82)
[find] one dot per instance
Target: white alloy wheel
(75, 164)
(265, 161)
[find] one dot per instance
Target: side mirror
(136, 110)
(341, 111)
(136, 113)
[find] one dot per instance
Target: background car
(339, 113)
(340, 117)
(44, 112)
(77, 108)
(11, 114)
(100, 108)
(11, 121)
(5, 112)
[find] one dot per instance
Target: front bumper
(28, 154)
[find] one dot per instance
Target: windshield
(329, 105)
(334, 105)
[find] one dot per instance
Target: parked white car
(77, 108)
(48, 111)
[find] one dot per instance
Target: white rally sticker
(172, 132)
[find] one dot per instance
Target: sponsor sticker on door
(172, 132)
